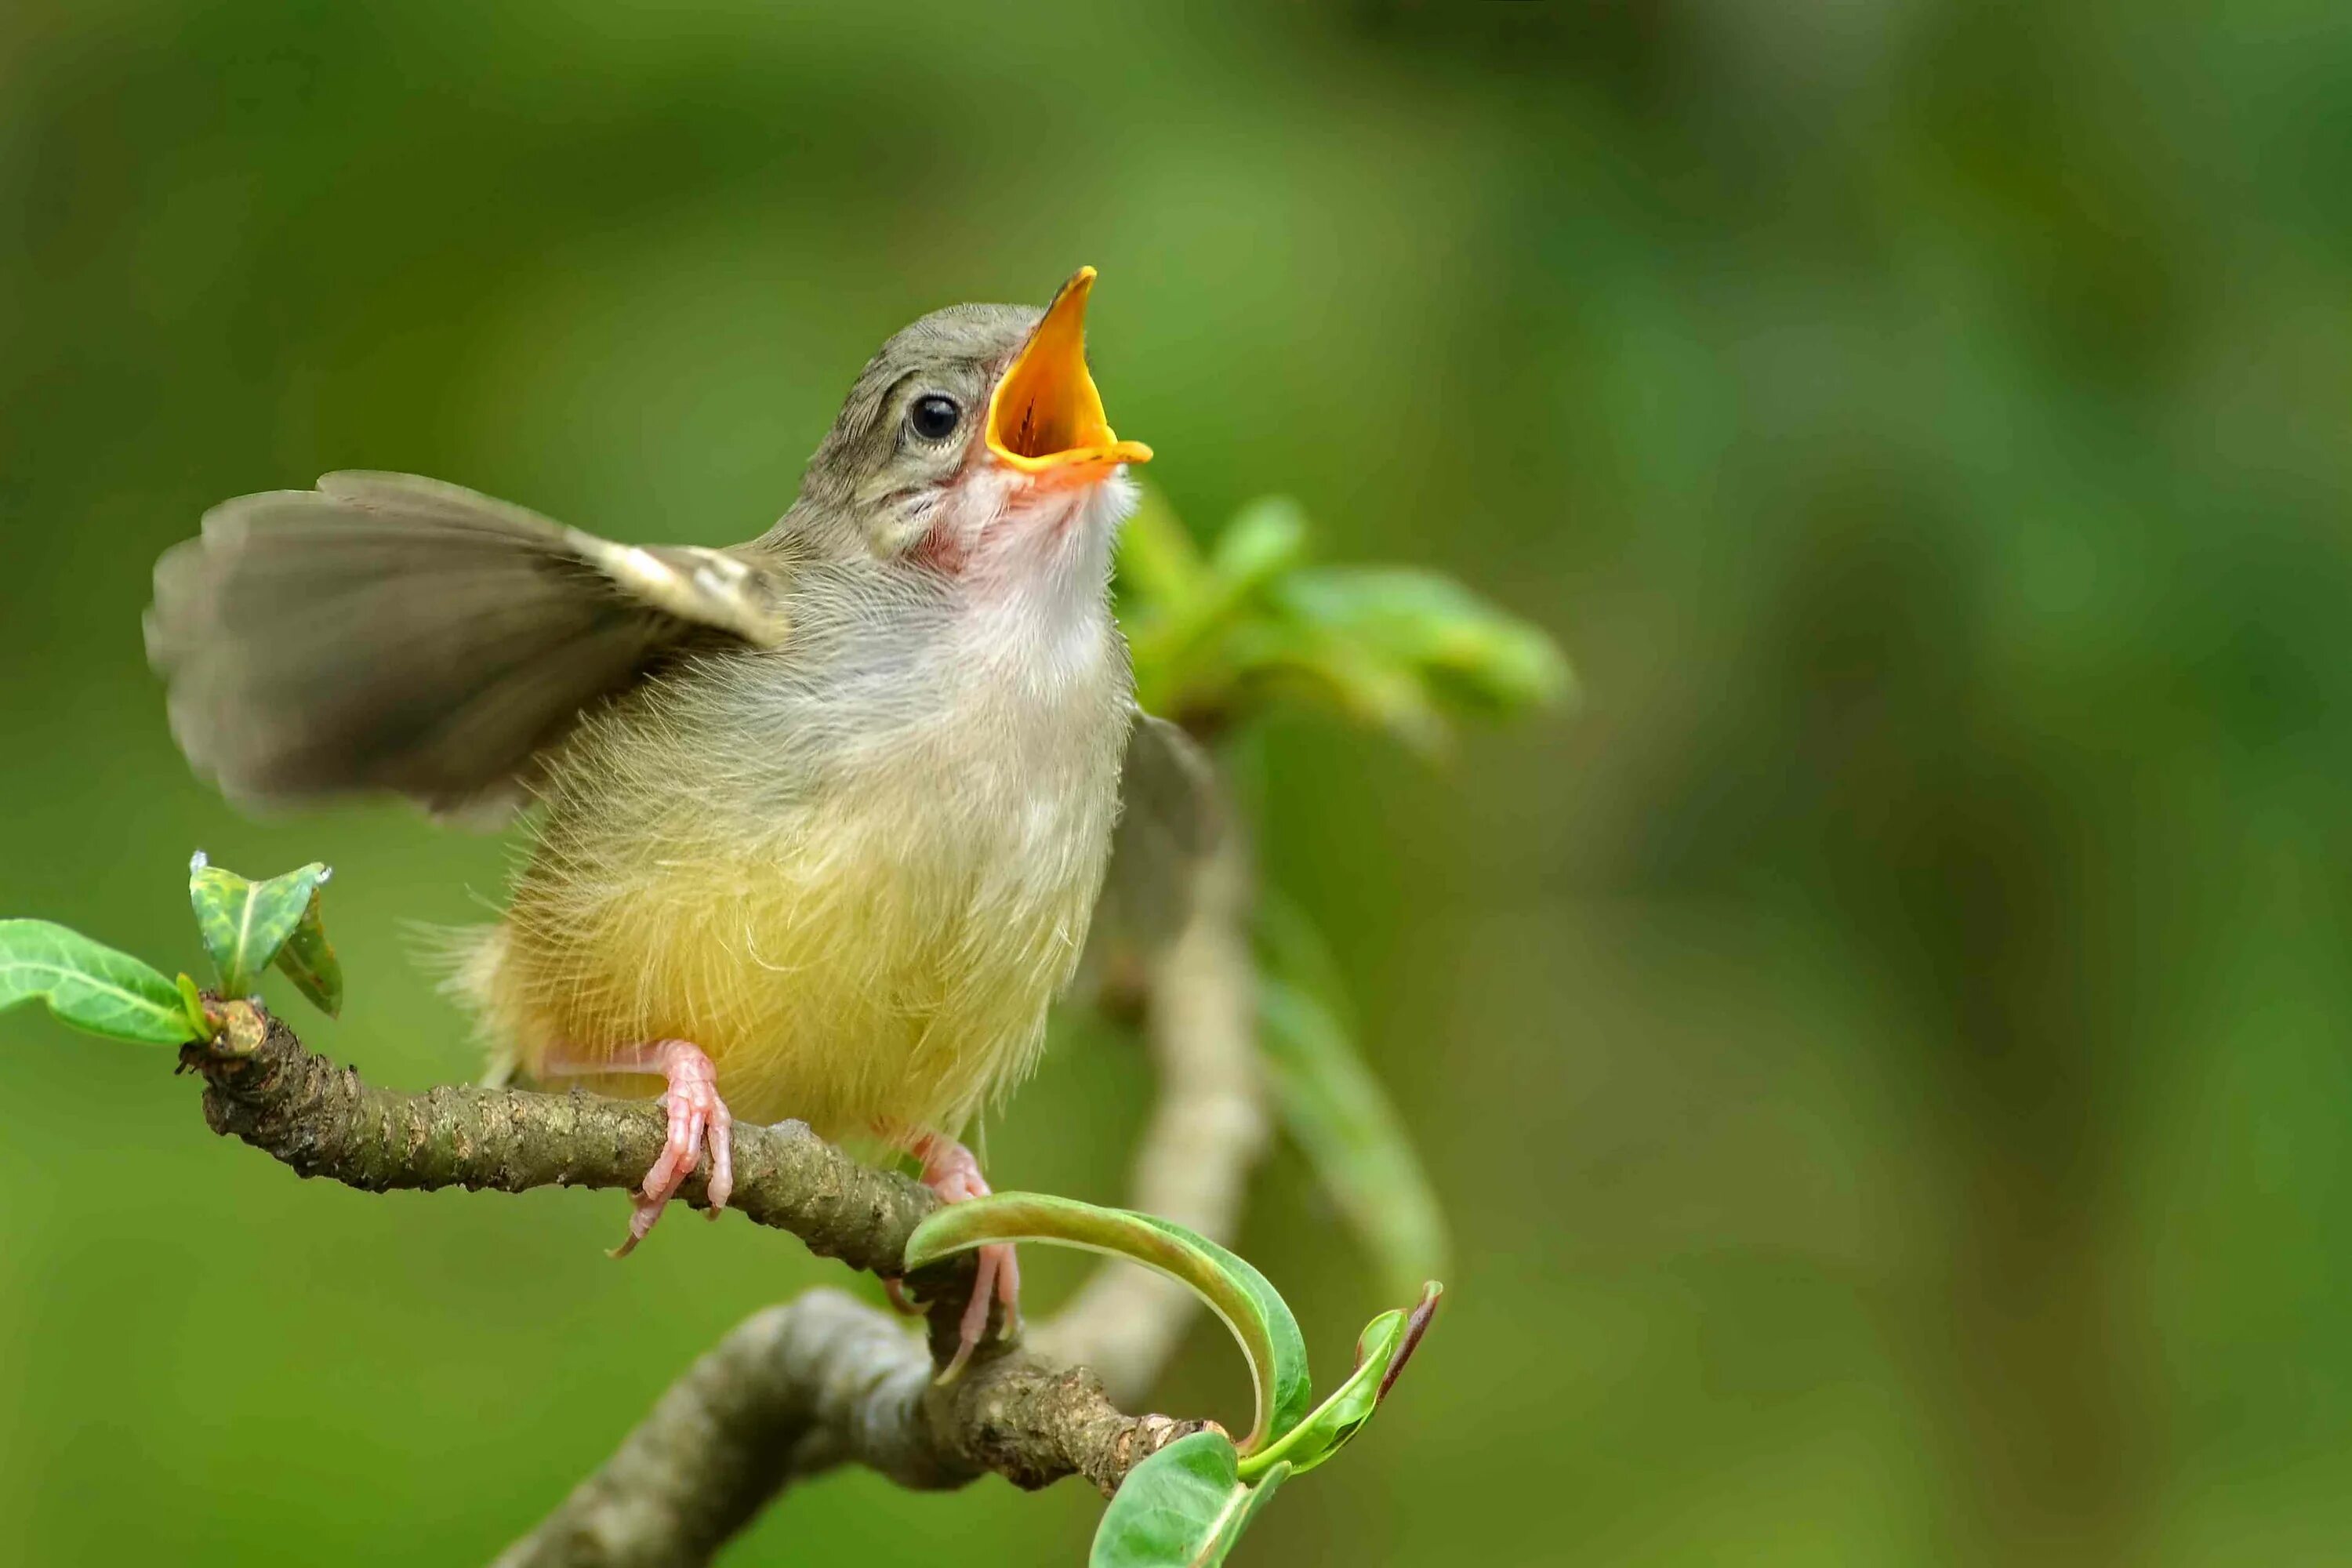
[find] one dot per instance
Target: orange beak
(1044, 417)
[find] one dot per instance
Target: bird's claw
(950, 1169)
(697, 1117)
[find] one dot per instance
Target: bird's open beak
(1044, 417)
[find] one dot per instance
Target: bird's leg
(697, 1115)
(950, 1171)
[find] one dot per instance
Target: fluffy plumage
(853, 865)
(854, 871)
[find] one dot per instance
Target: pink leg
(949, 1170)
(697, 1115)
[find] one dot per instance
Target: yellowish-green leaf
(89, 986)
(191, 1003)
(1382, 1350)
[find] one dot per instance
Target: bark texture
(793, 1391)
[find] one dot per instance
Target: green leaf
(1184, 1506)
(1471, 653)
(89, 986)
(1328, 666)
(245, 924)
(1382, 1350)
(1259, 1320)
(1401, 650)
(192, 1004)
(308, 960)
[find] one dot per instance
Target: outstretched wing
(390, 633)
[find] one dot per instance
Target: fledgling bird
(820, 819)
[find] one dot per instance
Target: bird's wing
(1171, 818)
(386, 632)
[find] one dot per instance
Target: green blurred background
(1884, 1055)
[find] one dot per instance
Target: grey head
(977, 409)
(912, 423)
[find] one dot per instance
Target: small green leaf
(1184, 1506)
(1323, 664)
(89, 986)
(1382, 1350)
(308, 960)
(1401, 650)
(192, 1004)
(245, 924)
(1256, 1315)
(1473, 654)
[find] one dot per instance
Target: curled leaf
(89, 986)
(1184, 1506)
(1382, 1350)
(1250, 1308)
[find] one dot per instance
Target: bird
(814, 825)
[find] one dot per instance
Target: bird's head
(974, 443)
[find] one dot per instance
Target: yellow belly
(846, 967)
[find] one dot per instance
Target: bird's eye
(933, 416)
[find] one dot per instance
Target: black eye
(933, 416)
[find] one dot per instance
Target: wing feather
(391, 633)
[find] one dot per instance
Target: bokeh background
(1885, 1055)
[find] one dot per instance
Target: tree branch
(798, 1389)
(706, 1458)
(784, 1395)
(322, 1121)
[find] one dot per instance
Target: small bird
(817, 821)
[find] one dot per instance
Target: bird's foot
(696, 1116)
(950, 1171)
